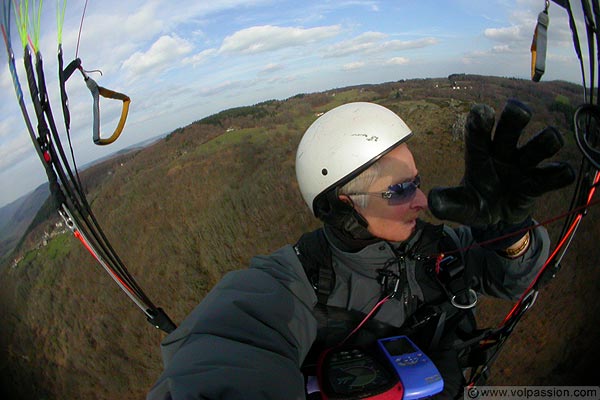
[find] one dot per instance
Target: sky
(180, 61)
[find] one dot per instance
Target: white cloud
(193, 9)
(369, 37)
(361, 44)
(258, 39)
(356, 65)
(410, 44)
(523, 20)
(271, 68)
(397, 61)
(506, 34)
(374, 42)
(5, 79)
(15, 148)
(124, 27)
(502, 48)
(145, 22)
(219, 88)
(353, 66)
(199, 58)
(469, 61)
(159, 57)
(475, 57)
(7, 126)
(559, 58)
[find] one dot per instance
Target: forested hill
(201, 202)
(17, 216)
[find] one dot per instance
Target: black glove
(501, 181)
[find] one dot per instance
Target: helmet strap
(342, 216)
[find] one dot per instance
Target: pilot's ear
(346, 199)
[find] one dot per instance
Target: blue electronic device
(416, 371)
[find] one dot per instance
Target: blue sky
(180, 61)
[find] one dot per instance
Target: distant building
(17, 261)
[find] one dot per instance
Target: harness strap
(453, 277)
(439, 330)
(312, 249)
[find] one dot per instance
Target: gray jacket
(249, 336)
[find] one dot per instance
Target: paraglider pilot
(259, 330)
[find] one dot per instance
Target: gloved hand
(501, 180)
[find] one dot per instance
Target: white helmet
(341, 144)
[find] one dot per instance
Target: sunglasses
(398, 193)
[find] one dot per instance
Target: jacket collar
(342, 241)
(366, 257)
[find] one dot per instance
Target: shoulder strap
(444, 314)
(314, 253)
(455, 274)
(428, 242)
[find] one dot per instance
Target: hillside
(16, 217)
(201, 202)
(40, 209)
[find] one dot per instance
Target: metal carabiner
(470, 303)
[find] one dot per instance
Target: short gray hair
(361, 184)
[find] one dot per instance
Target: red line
(379, 304)
(541, 271)
(558, 247)
(79, 236)
(4, 34)
(31, 44)
(524, 230)
(593, 189)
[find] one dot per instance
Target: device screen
(399, 347)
